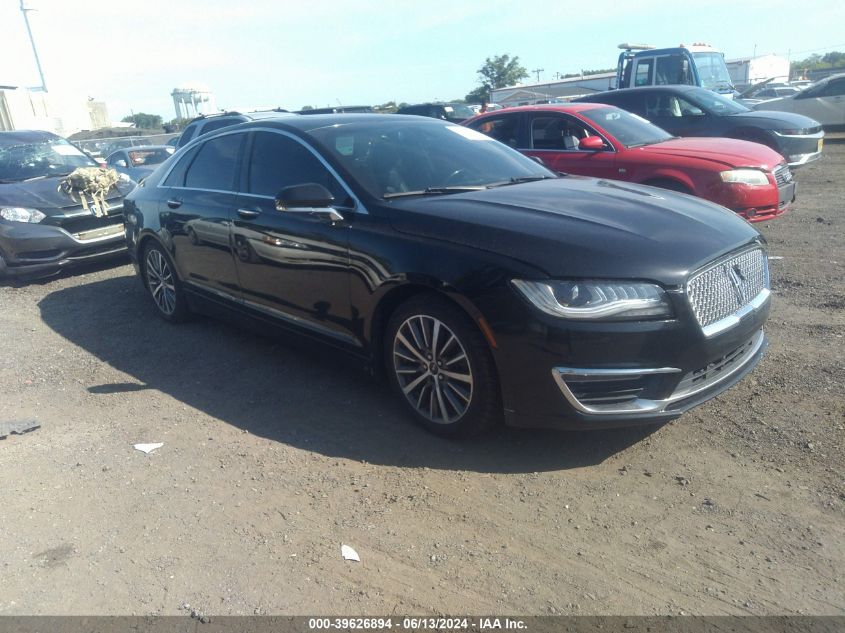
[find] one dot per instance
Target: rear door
(200, 202)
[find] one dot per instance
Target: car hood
(725, 151)
(772, 118)
(44, 194)
(582, 227)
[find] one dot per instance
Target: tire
(451, 388)
(163, 284)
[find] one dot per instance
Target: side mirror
(308, 197)
(591, 143)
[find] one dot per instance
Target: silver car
(824, 101)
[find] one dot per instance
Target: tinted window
(630, 101)
(188, 134)
(833, 89)
(215, 164)
(176, 177)
(217, 124)
(670, 70)
(279, 161)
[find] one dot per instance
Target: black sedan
(482, 284)
(43, 226)
(694, 111)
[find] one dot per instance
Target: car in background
(693, 111)
(139, 162)
(42, 228)
(452, 112)
(338, 110)
(485, 286)
(206, 123)
(823, 101)
(603, 141)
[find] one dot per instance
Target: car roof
(667, 87)
(248, 116)
(317, 121)
(550, 107)
(20, 137)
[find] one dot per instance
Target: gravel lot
(274, 456)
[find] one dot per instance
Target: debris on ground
(17, 427)
(147, 448)
(349, 554)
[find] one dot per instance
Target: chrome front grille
(727, 286)
(782, 174)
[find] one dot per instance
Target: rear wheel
(163, 284)
(441, 367)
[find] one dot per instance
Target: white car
(824, 101)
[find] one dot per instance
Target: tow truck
(697, 65)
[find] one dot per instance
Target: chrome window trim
(358, 208)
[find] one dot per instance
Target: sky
(259, 53)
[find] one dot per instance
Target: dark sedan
(484, 285)
(694, 111)
(43, 227)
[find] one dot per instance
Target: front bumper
(800, 149)
(569, 375)
(38, 249)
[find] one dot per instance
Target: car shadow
(298, 395)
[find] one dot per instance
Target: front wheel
(441, 367)
(163, 284)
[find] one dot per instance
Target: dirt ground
(273, 457)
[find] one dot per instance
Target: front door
(554, 139)
(292, 266)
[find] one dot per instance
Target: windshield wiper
(517, 180)
(435, 191)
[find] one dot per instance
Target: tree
(497, 72)
(143, 120)
(834, 59)
(306, 107)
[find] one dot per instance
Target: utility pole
(24, 10)
(538, 71)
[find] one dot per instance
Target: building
(193, 99)
(569, 88)
(747, 71)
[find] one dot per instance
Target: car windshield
(713, 103)
(712, 71)
(458, 111)
(148, 156)
(391, 159)
(52, 157)
(629, 129)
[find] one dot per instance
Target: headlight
(618, 300)
(21, 214)
(745, 176)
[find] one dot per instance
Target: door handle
(174, 203)
(248, 214)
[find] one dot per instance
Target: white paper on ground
(349, 554)
(147, 448)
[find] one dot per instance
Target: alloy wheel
(432, 369)
(160, 281)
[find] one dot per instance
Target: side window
(632, 102)
(279, 161)
(835, 88)
(188, 134)
(217, 124)
(558, 133)
(645, 72)
(669, 70)
(176, 177)
(215, 164)
(503, 128)
(663, 105)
